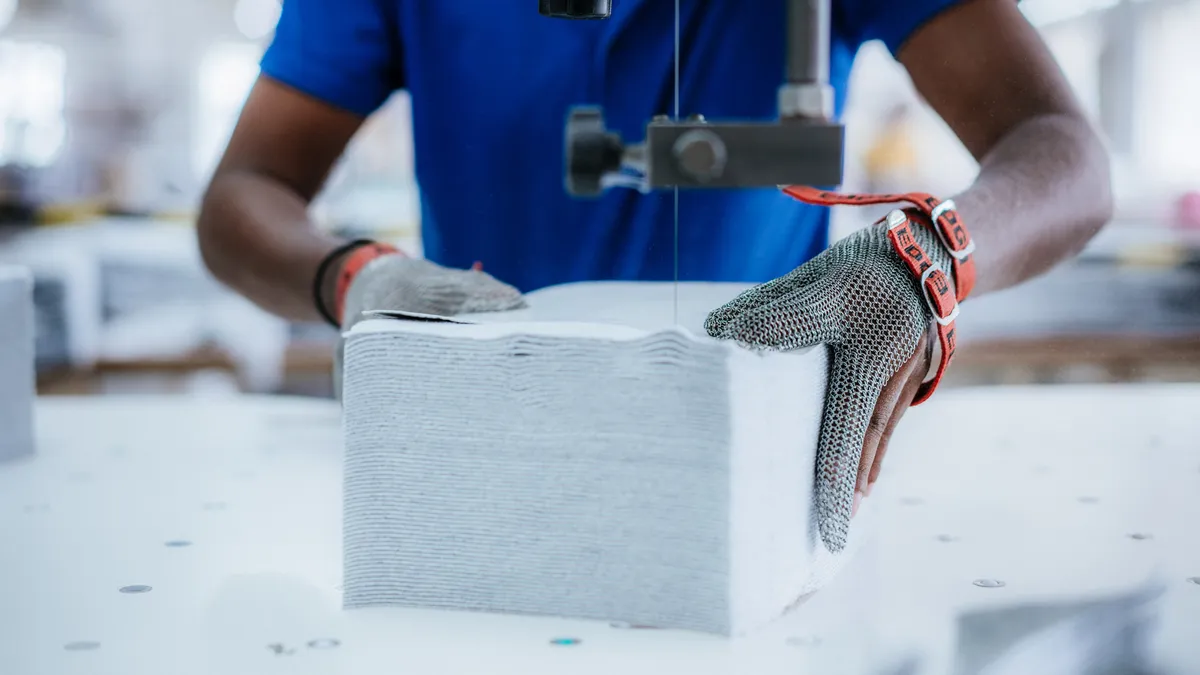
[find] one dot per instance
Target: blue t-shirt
(492, 82)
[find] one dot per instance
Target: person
(491, 84)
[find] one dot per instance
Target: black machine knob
(575, 9)
(592, 152)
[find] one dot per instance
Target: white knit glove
(400, 283)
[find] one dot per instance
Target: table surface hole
(323, 643)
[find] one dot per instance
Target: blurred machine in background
(17, 202)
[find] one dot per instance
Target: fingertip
(858, 497)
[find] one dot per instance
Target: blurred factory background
(114, 112)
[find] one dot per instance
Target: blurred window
(227, 72)
(1168, 93)
(1076, 45)
(8, 9)
(1043, 12)
(256, 19)
(32, 84)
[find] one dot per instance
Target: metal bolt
(137, 588)
(660, 118)
(805, 101)
(701, 154)
(696, 118)
(988, 583)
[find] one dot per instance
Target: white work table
(192, 535)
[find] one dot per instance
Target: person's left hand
(859, 300)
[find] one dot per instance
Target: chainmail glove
(399, 283)
(859, 300)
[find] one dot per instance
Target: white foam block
(584, 458)
(17, 378)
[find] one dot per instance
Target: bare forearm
(1043, 191)
(256, 237)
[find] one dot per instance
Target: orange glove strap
(942, 217)
(354, 264)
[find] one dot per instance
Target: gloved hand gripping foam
(859, 300)
(399, 283)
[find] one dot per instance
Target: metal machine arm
(805, 146)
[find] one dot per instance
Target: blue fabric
(492, 81)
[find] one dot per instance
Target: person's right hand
(400, 283)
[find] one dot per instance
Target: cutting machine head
(803, 147)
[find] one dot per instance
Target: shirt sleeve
(889, 21)
(344, 52)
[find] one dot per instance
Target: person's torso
(491, 88)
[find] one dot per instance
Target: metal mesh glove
(859, 300)
(399, 283)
